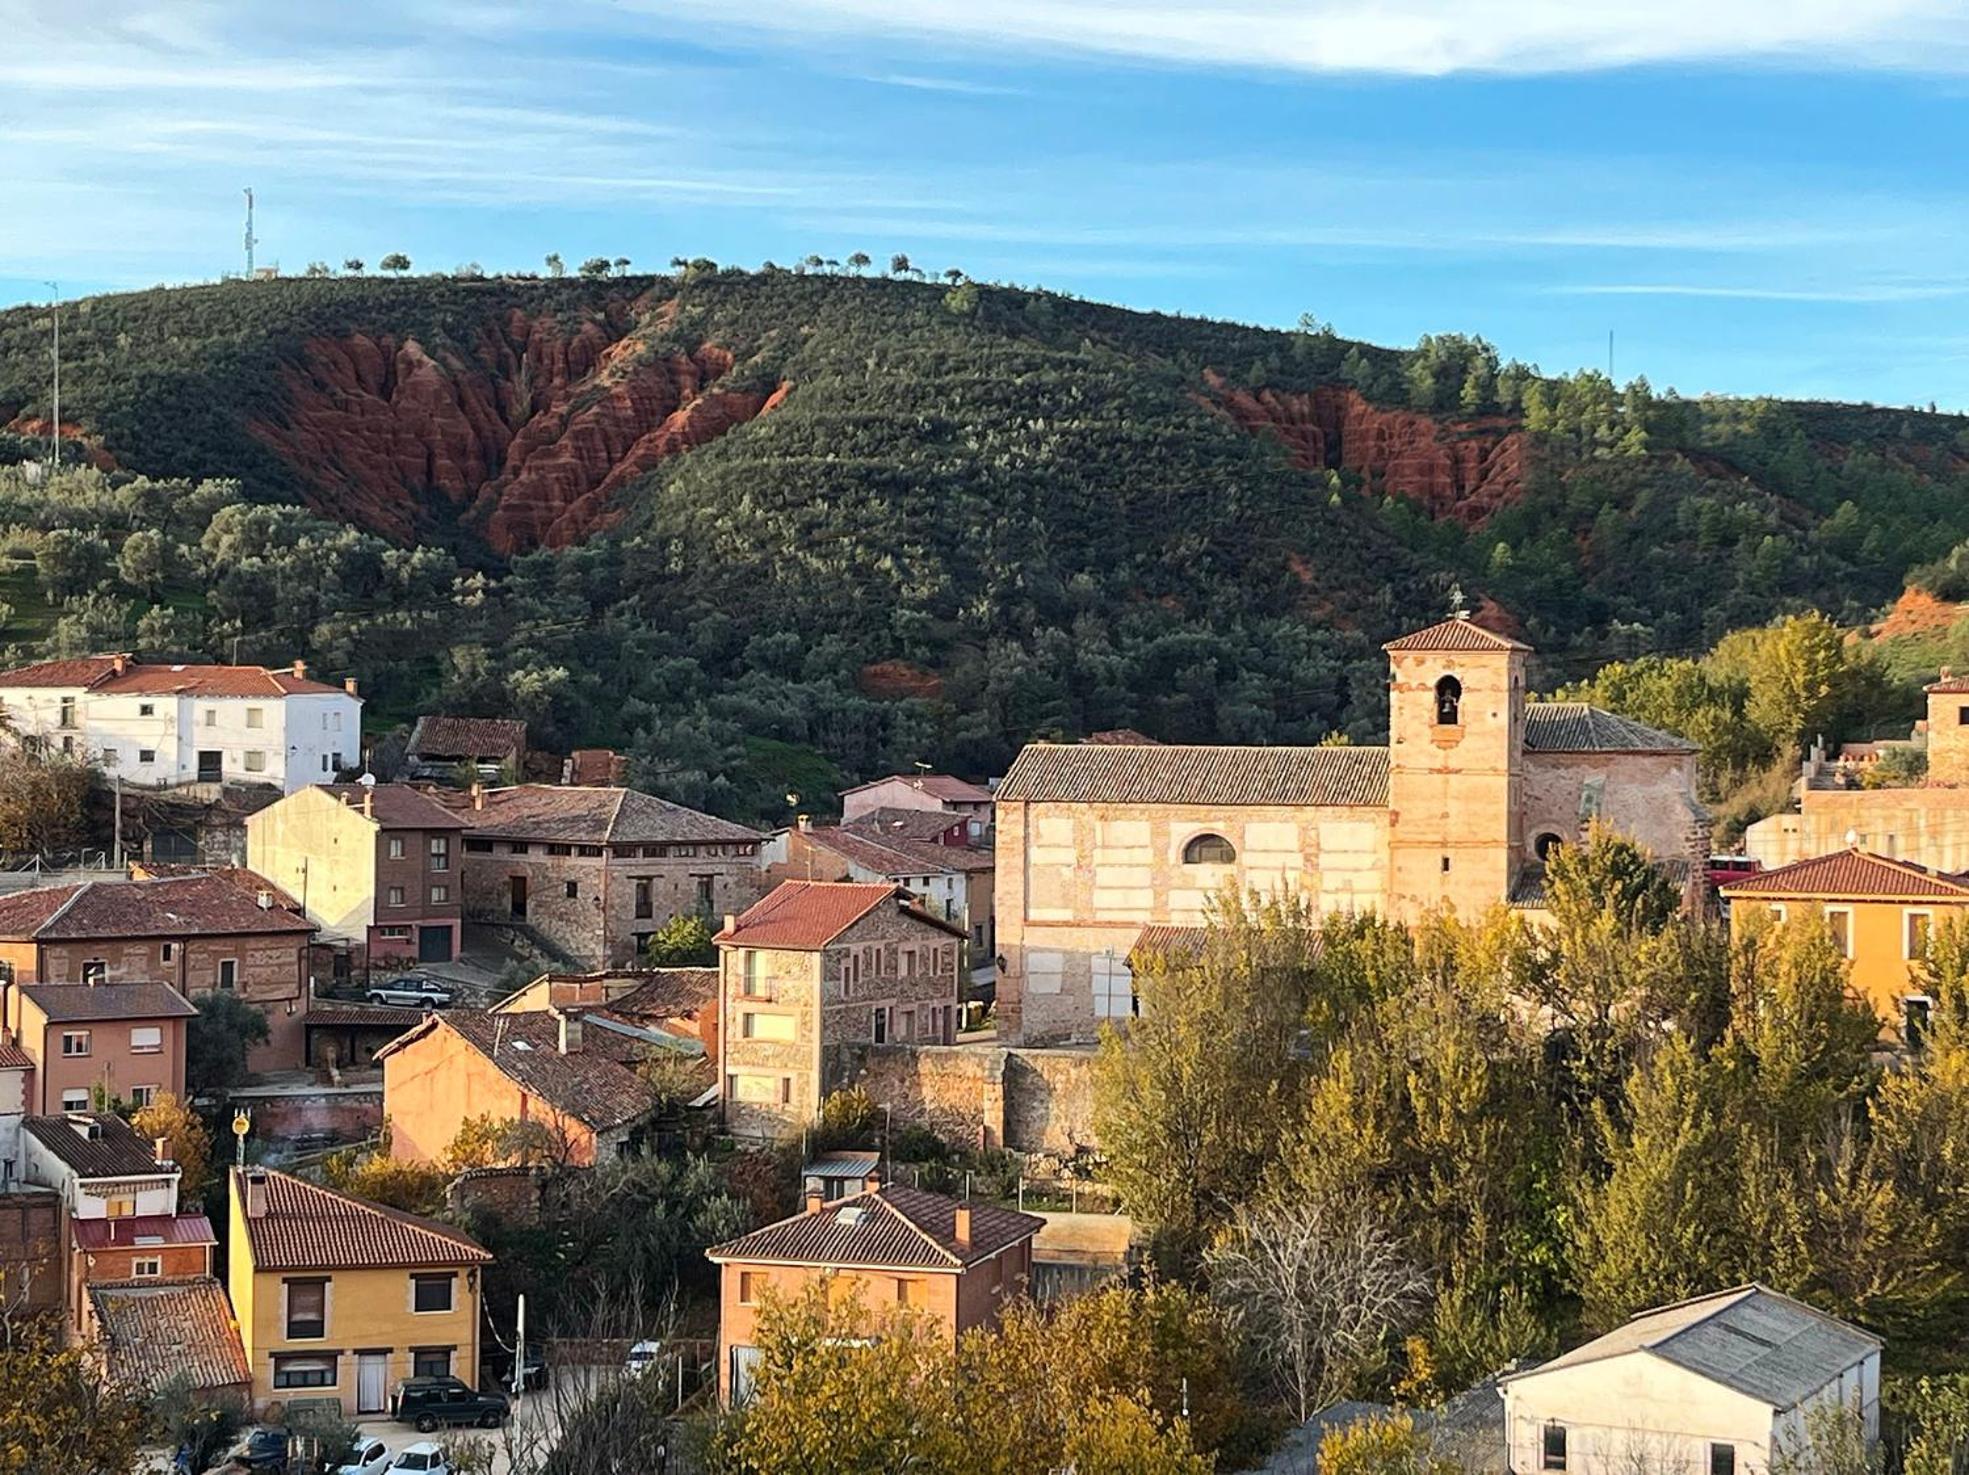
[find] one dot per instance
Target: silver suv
(413, 991)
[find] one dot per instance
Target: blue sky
(1753, 195)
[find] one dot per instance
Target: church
(1100, 844)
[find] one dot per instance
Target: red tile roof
(594, 1084)
(397, 806)
(811, 914)
(155, 1331)
(1121, 737)
(142, 1232)
(12, 1057)
(894, 1227)
(307, 1227)
(1852, 874)
(937, 785)
(1949, 685)
(1169, 942)
(213, 681)
(82, 671)
(175, 906)
(897, 856)
(1088, 773)
(597, 816)
(467, 737)
(670, 993)
(1455, 634)
(346, 1014)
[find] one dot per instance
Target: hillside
(767, 528)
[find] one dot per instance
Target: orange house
(552, 1066)
(127, 1038)
(958, 1263)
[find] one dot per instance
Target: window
(758, 1088)
(303, 1372)
(110, 757)
(146, 755)
(1962, 716)
(256, 760)
(1915, 930)
(396, 847)
(396, 896)
(754, 984)
(910, 1292)
(652, 852)
(573, 889)
(146, 1267)
(75, 1042)
(591, 851)
(167, 952)
(440, 852)
(399, 933)
(478, 847)
(1839, 921)
(1777, 913)
(68, 712)
(120, 1208)
(879, 1026)
(1114, 987)
(211, 715)
(1449, 702)
(229, 973)
(75, 1100)
(766, 1026)
(256, 716)
(560, 850)
(1445, 865)
(750, 1283)
(906, 1025)
(143, 1095)
(146, 1039)
(324, 763)
(1916, 1012)
(645, 903)
(307, 1309)
(1554, 1447)
(1209, 850)
(430, 1293)
(517, 847)
(704, 885)
(95, 970)
(909, 962)
(1722, 1459)
(146, 709)
(440, 895)
(1545, 845)
(430, 1362)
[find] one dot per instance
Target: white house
(99, 1165)
(15, 1067)
(163, 725)
(1713, 1386)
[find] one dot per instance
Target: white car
(423, 1457)
(367, 1456)
(642, 1357)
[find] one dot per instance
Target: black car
(535, 1375)
(265, 1450)
(431, 1402)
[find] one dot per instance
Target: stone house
(375, 866)
(958, 1263)
(1475, 787)
(813, 970)
(491, 747)
(595, 872)
(938, 792)
(681, 1002)
(951, 880)
(127, 1038)
(1724, 1383)
(230, 933)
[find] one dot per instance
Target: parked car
(430, 1403)
(424, 1457)
(535, 1374)
(642, 1357)
(1723, 869)
(265, 1451)
(413, 991)
(368, 1455)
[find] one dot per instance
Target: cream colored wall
(1929, 826)
(1646, 796)
(1948, 737)
(1634, 1411)
(322, 852)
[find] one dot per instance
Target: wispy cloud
(1858, 292)
(956, 85)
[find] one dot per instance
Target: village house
(200, 934)
(1475, 788)
(377, 867)
(816, 967)
(128, 1039)
(157, 725)
(119, 1197)
(957, 1263)
(681, 1002)
(1880, 912)
(936, 792)
(342, 1034)
(157, 1333)
(952, 879)
(477, 749)
(338, 1299)
(1723, 1383)
(595, 872)
(572, 1071)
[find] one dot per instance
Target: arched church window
(1209, 850)
(1544, 846)
(1449, 702)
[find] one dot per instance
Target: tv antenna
(251, 240)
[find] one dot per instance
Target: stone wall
(1649, 797)
(346, 1113)
(1030, 1100)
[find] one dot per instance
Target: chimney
(161, 1150)
(349, 685)
(731, 921)
(806, 822)
(478, 795)
(962, 1234)
(816, 1196)
(301, 669)
(873, 1182)
(570, 1030)
(256, 1193)
(368, 802)
(265, 899)
(120, 663)
(348, 800)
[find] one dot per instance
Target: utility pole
(250, 241)
(116, 782)
(56, 422)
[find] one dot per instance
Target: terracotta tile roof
(398, 806)
(1455, 634)
(1855, 874)
(1081, 773)
(307, 1227)
(1578, 727)
(888, 822)
(896, 1226)
(93, 1144)
(213, 681)
(467, 737)
(1163, 940)
(158, 1330)
(937, 785)
(670, 993)
(82, 671)
(811, 914)
(345, 1014)
(142, 1231)
(251, 882)
(78, 1003)
(12, 1057)
(597, 816)
(173, 906)
(594, 1084)
(1121, 737)
(897, 857)
(1947, 686)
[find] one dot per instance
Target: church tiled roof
(1083, 773)
(1455, 634)
(1577, 727)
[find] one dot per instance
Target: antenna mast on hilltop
(250, 241)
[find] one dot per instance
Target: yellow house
(1881, 913)
(340, 1300)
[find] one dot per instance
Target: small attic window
(521, 1045)
(1449, 702)
(850, 1217)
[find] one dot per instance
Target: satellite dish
(368, 780)
(1853, 839)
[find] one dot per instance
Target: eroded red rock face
(527, 436)
(1459, 469)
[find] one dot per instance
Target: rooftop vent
(851, 1216)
